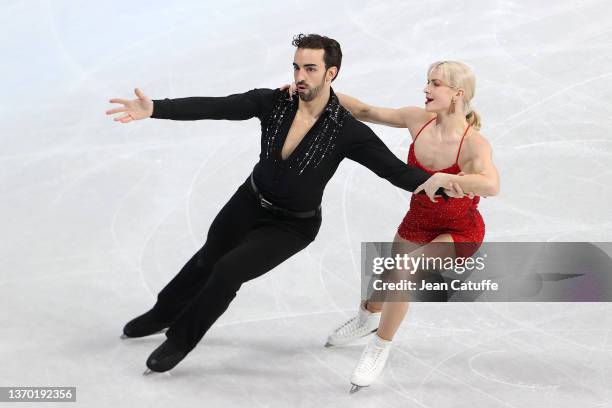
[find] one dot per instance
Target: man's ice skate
(363, 324)
(370, 364)
(164, 358)
(145, 325)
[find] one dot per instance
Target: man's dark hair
(332, 56)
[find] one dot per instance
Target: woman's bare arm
(406, 117)
(481, 176)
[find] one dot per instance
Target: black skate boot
(164, 358)
(145, 325)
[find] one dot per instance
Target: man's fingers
(139, 94)
(284, 87)
(123, 119)
(117, 100)
(419, 189)
(116, 110)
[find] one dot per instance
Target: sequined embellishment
(273, 125)
(318, 146)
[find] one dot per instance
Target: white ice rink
(97, 216)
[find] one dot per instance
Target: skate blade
(328, 344)
(355, 388)
(148, 371)
(124, 336)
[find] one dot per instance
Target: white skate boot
(364, 323)
(371, 363)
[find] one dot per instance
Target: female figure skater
(446, 143)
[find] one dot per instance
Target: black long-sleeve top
(297, 183)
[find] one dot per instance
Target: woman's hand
(433, 184)
(291, 89)
(447, 182)
(457, 191)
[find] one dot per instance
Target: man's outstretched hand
(135, 109)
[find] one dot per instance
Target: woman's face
(438, 94)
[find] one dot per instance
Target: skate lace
(370, 358)
(348, 326)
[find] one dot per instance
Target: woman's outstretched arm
(405, 117)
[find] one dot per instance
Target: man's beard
(312, 93)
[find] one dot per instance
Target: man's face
(309, 73)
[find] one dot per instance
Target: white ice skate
(370, 364)
(364, 323)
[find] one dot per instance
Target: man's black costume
(275, 213)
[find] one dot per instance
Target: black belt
(279, 210)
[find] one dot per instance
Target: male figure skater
(276, 212)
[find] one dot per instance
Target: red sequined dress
(458, 217)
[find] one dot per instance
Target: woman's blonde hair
(458, 75)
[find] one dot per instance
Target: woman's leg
(367, 319)
(407, 246)
(374, 356)
(393, 312)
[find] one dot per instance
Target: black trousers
(244, 242)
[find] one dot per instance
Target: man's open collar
(332, 108)
(333, 105)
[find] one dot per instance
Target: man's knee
(208, 255)
(226, 275)
(201, 257)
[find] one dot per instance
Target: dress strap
(461, 144)
(424, 126)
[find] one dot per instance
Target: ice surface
(97, 216)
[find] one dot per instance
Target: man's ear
(331, 73)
